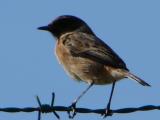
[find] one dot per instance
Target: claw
(72, 108)
(108, 112)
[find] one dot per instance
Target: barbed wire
(50, 108)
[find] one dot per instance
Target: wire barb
(40, 106)
(45, 108)
(52, 103)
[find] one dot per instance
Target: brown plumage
(69, 50)
(84, 56)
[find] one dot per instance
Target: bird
(85, 57)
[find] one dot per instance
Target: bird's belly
(91, 73)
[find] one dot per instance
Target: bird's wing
(91, 47)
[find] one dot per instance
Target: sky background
(28, 66)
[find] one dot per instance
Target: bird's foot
(107, 112)
(72, 110)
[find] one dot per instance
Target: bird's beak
(46, 28)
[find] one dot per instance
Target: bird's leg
(73, 105)
(108, 111)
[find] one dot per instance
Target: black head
(66, 23)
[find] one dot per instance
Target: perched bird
(85, 57)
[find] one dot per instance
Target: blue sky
(28, 66)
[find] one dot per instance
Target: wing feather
(91, 47)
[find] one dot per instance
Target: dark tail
(139, 80)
